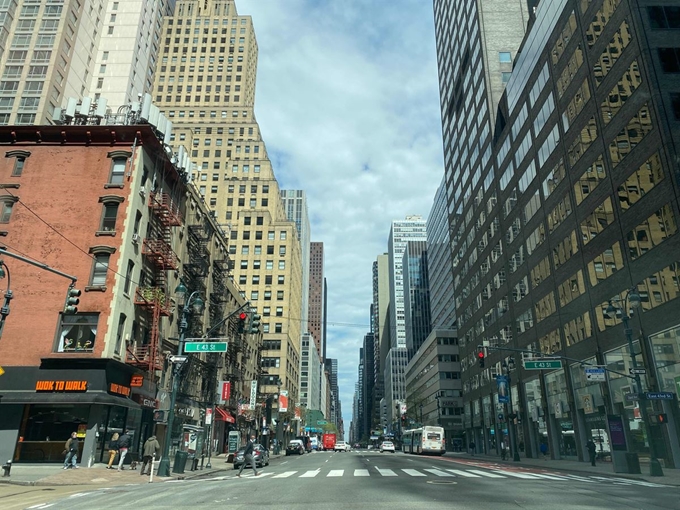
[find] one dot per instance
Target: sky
(347, 101)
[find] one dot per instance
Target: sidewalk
(671, 476)
(55, 474)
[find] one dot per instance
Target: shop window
(77, 332)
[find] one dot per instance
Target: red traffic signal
(661, 418)
(480, 357)
(243, 316)
(242, 322)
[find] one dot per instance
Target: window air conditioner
(142, 191)
(135, 238)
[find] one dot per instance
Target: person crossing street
(249, 457)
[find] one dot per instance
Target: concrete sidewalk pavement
(55, 474)
(671, 476)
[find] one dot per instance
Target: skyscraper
(206, 86)
(416, 295)
(317, 296)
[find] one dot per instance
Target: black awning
(91, 397)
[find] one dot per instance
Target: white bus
(424, 440)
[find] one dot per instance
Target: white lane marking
(437, 472)
(310, 474)
(78, 494)
(386, 472)
(550, 477)
(361, 472)
(526, 476)
(413, 472)
(285, 474)
(40, 505)
(335, 472)
(485, 473)
(581, 479)
(463, 473)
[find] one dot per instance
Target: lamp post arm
(38, 264)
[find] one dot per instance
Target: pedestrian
(249, 457)
(151, 450)
(504, 450)
(591, 451)
(113, 449)
(472, 448)
(544, 450)
(123, 446)
(71, 451)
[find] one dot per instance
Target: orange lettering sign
(137, 381)
(119, 389)
(65, 386)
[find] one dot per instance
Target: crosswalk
(441, 472)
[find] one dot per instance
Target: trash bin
(180, 462)
(633, 463)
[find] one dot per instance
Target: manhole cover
(442, 482)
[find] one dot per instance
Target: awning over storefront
(91, 397)
(222, 415)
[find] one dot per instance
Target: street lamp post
(632, 299)
(512, 430)
(4, 311)
(197, 303)
(421, 414)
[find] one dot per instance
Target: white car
(387, 446)
(341, 446)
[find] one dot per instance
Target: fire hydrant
(6, 467)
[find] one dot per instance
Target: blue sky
(348, 105)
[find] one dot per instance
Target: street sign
(541, 365)
(177, 359)
(205, 347)
(321, 422)
(631, 397)
(208, 416)
(659, 395)
(639, 371)
(595, 374)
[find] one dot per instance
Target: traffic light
(661, 418)
(242, 317)
(480, 357)
(71, 305)
(254, 328)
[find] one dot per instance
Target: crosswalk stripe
(386, 472)
(581, 479)
(336, 472)
(310, 474)
(550, 477)
(285, 474)
(463, 473)
(518, 475)
(485, 473)
(413, 472)
(438, 472)
(361, 472)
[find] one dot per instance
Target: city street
(369, 479)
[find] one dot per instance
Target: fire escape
(197, 267)
(157, 249)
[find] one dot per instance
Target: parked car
(341, 446)
(387, 446)
(295, 447)
(260, 454)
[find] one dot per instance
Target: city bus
(425, 440)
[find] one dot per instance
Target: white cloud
(348, 105)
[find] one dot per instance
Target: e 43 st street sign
(205, 347)
(542, 365)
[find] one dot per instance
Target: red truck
(328, 441)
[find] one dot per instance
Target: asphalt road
(370, 480)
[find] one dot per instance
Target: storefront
(42, 406)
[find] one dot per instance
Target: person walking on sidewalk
(123, 445)
(472, 448)
(591, 451)
(544, 450)
(71, 450)
(113, 449)
(248, 456)
(151, 450)
(504, 450)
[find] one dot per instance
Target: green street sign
(321, 422)
(541, 365)
(205, 347)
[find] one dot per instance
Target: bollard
(153, 461)
(6, 467)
